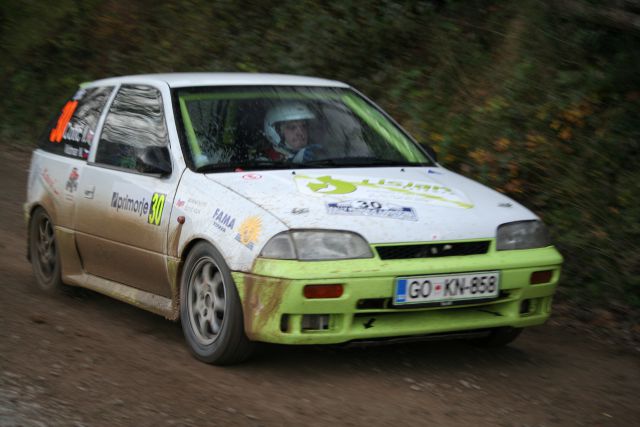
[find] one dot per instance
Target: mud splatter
(261, 300)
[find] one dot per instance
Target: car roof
(176, 80)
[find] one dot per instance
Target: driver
(286, 126)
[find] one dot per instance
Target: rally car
(274, 208)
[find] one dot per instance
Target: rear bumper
(274, 305)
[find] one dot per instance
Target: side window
(71, 132)
(134, 127)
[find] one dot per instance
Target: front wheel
(43, 251)
(210, 309)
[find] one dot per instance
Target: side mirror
(154, 159)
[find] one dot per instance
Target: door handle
(89, 192)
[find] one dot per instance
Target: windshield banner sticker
(379, 188)
(371, 208)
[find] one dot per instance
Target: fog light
(525, 306)
(315, 322)
(541, 277)
(323, 291)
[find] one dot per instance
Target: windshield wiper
(247, 165)
(359, 161)
(286, 164)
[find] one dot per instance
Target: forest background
(538, 99)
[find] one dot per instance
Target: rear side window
(71, 132)
(135, 121)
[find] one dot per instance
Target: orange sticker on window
(67, 112)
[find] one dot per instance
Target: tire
(43, 250)
(210, 309)
(499, 337)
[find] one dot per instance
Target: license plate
(446, 289)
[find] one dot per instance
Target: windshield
(230, 128)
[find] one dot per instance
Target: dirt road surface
(87, 360)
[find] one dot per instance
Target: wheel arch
(235, 346)
(50, 281)
(177, 275)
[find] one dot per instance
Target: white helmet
(284, 113)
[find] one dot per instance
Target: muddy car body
(181, 194)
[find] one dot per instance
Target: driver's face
(295, 134)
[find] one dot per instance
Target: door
(123, 212)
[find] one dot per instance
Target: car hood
(384, 205)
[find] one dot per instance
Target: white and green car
(281, 209)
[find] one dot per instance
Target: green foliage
(541, 106)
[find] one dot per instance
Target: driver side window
(134, 123)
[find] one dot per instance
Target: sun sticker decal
(249, 231)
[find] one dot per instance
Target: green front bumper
(274, 304)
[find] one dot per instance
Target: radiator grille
(433, 250)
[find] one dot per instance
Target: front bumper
(274, 305)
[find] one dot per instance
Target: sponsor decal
(73, 133)
(81, 152)
(72, 182)
(57, 133)
(249, 231)
(138, 203)
(71, 185)
(126, 203)
(49, 182)
(157, 207)
(433, 172)
(70, 132)
(70, 150)
(299, 211)
(191, 205)
(251, 176)
(328, 185)
(223, 221)
(378, 188)
(77, 134)
(371, 208)
(505, 205)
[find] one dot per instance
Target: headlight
(522, 235)
(315, 245)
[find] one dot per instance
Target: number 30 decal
(157, 206)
